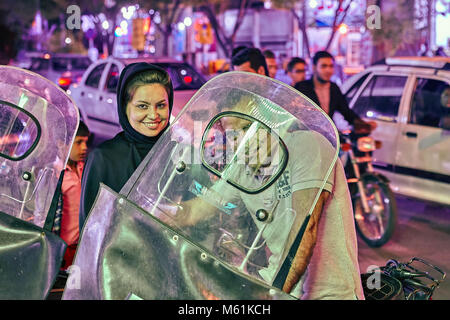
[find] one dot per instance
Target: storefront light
(181, 26)
(343, 28)
(187, 21)
(313, 4)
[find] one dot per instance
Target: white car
(95, 94)
(409, 99)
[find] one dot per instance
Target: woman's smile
(148, 110)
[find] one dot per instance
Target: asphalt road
(423, 231)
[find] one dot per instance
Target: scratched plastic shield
(198, 219)
(37, 126)
(38, 122)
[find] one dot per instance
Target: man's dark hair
(254, 56)
(321, 54)
(293, 62)
(83, 130)
(269, 54)
(237, 49)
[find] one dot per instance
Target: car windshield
(183, 76)
(72, 63)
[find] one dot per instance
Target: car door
(88, 97)
(108, 99)
(422, 159)
(379, 99)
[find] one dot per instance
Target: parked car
(95, 95)
(61, 68)
(409, 99)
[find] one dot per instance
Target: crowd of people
(144, 104)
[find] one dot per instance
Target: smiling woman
(144, 104)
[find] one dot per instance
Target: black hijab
(142, 142)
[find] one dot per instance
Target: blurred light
(105, 25)
(187, 79)
(313, 4)
(46, 56)
(183, 72)
(63, 82)
(343, 28)
(157, 19)
(267, 4)
(151, 11)
(118, 32)
(124, 24)
(152, 49)
(187, 21)
(181, 26)
(68, 40)
(369, 114)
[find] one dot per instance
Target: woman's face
(148, 110)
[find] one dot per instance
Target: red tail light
(187, 79)
(64, 82)
(346, 147)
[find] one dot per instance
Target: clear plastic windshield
(240, 170)
(38, 122)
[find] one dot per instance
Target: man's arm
(309, 239)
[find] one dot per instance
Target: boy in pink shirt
(71, 192)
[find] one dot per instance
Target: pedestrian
(144, 105)
(325, 93)
(271, 62)
(250, 60)
(296, 70)
(68, 225)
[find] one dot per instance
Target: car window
(66, 63)
(380, 99)
(81, 63)
(93, 79)
(354, 88)
(183, 76)
(112, 79)
(430, 102)
(39, 64)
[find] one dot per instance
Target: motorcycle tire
(389, 216)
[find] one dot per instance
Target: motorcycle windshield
(240, 170)
(37, 127)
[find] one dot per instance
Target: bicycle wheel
(377, 226)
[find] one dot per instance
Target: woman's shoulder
(118, 142)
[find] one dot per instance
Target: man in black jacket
(325, 93)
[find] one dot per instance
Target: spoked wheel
(377, 226)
